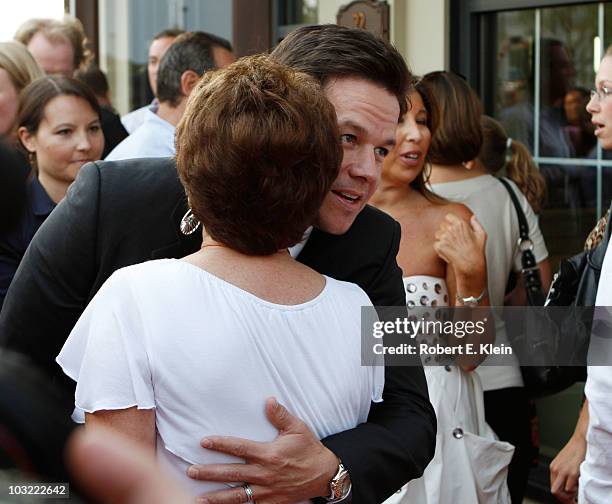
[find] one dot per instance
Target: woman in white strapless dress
(442, 257)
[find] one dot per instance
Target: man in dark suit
(121, 213)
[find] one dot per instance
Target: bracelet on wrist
(471, 301)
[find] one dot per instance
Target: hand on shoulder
(460, 241)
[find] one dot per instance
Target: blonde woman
(17, 70)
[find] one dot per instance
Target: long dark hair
(421, 181)
(459, 136)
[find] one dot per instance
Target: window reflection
(555, 126)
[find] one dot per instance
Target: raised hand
(462, 244)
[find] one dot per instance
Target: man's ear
(189, 79)
(27, 139)
(469, 165)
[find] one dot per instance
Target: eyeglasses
(601, 93)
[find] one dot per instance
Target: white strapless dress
(470, 465)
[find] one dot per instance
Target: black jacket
(121, 213)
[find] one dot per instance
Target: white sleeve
(535, 234)
(106, 353)
(376, 367)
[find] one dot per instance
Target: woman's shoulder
(149, 276)
(346, 291)
(456, 209)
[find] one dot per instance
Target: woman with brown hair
(459, 175)
(500, 152)
(443, 263)
(58, 125)
(172, 350)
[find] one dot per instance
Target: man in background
(160, 44)
(181, 67)
(59, 47)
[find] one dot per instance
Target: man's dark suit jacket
(121, 213)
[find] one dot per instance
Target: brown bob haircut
(257, 151)
(330, 51)
(459, 135)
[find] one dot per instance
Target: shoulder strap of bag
(530, 269)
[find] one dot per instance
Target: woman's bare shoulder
(457, 209)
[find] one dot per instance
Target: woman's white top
(489, 200)
(206, 355)
(595, 485)
(469, 464)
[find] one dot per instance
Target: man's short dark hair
(190, 51)
(220, 42)
(95, 79)
(331, 51)
(257, 151)
(168, 33)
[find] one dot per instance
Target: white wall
(422, 32)
(419, 29)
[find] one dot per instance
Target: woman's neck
(390, 197)
(452, 173)
(210, 248)
(276, 277)
(55, 189)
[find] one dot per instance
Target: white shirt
(206, 354)
(596, 471)
(155, 138)
(489, 200)
(134, 119)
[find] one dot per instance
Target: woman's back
(489, 200)
(206, 355)
(491, 203)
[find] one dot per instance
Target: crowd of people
(195, 298)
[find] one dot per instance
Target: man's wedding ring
(249, 493)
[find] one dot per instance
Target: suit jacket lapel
(318, 254)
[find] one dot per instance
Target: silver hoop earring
(189, 223)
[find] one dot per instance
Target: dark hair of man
(219, 41)
(331, 51)
(95, 78)
(257, 151)
(36, 95)
(458, 137)
(168, 33)
(190, 51)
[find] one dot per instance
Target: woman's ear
(27, 139)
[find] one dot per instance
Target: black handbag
(541, 381)
(575, 286)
